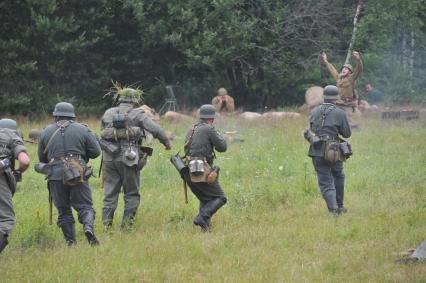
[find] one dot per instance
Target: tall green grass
(275, 227)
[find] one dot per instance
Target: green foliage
(266, 53)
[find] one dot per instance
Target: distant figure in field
(223, 102)
(373, 94)
(34, 135)
(11, 148)
(345, 82)
(326, 123)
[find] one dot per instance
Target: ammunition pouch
(214, 175)
(109, 147)
(127, 133)
(73, 172)
(199, 170)
(332, 151)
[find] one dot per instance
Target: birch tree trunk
(412, 50)
(358, 10)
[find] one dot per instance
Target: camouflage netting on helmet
(125, 94)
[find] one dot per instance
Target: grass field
(275, 227)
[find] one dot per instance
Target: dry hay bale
(280, 115)
(304, 109)
(175, 117)
(364, 106)
(314, 96)
(223, 104)
(250, 116)
(151, 113)
(34, 134)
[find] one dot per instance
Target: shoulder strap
(188, 143)
(324, 113)
(63, 126)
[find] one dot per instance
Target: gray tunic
(116, 174)
(10, 147)
(204, 141)
(78, 140)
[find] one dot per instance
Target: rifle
(44, 168)
(50, 205)
(28, 141)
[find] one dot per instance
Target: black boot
(107, 217)
(3, 241)
(209, 210)
(128, 219)
(90, 235)
(69, 233)
(205, 224)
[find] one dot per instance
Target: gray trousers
(116, 175)
(7, 214)
(205, 192)
(78, 197)
(331, 180)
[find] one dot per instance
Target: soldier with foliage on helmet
(122, 129)
(11, 148)
(202, 177)
(345, 82)
(326, 123)
(65, 148)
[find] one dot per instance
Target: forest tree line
(265, 52)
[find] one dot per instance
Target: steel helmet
(331, 92)
(8, 124)
(64, 109)
(222, 91)
(129, 95)
(207, 111)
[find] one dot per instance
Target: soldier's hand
(324, 57)
(357, 55)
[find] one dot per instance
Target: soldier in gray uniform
(201, 141)
(122, 129)
(11, 148)
(66, 146)
(328, 122)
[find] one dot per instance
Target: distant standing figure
(11, 148)
(66, 146)
(345, 82)
(201, 141)
(223, 102)
(373, 94)
(327, 122)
